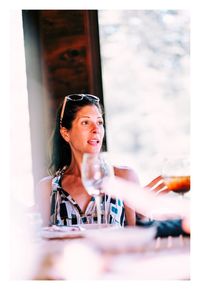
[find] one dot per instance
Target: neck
(75, 166)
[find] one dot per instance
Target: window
(145, 70)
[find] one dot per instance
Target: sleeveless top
(66, 212)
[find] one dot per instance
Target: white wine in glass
(95, 169)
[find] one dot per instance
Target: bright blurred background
(145, 58)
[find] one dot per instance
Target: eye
(100, 122)
(85, 122)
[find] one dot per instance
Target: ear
(65, 134)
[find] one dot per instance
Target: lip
(93, 142)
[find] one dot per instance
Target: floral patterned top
(65, 210)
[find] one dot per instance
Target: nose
(95, 128)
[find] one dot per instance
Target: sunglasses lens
(75, 97)
(93, 97)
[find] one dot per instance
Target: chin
(94, 150)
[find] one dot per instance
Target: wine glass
(95, 168)
(176, 175)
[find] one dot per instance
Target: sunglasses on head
(74, 98)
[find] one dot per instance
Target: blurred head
(79, 129)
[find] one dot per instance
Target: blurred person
(61, 197)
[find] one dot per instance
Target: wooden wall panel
(64, 51)
(66, 56)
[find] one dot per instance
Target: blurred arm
(145, 202)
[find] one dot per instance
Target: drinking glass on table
(95, 168)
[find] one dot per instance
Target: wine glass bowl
(178, 184)
(176, 175)
(95, 168)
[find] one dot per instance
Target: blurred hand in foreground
(145, 202)
(158, 186)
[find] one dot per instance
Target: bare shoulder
(127, 173)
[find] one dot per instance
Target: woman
(62, 198)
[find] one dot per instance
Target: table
(82, 258)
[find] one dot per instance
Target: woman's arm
(43, 199)
(129, 175)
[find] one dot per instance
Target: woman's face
(87, 132)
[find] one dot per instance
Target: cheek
(78, 136)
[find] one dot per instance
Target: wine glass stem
(105, 210)
(98, 205)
